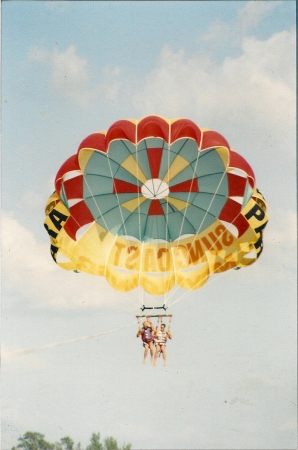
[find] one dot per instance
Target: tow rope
(58, 344)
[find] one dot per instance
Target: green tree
(58, 446)
(111, 444)
(67, 443)
(126, 447)
(95, 443)
(34, 441)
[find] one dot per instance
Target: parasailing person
(146, 332)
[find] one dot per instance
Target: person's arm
(139, 332)
(169, 334)
(151, 325)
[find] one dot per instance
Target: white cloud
(240, 400)
(70, 74)
(283, 231)
(32, 200)
(30, 273)
(279, 256)
(257, 86)
(56, 5)
(230, 35)
(252, 91)
(72, 77)
(291, 424)
(111, 83)
(254, 12)
(261, 380)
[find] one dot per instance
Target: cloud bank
(29, 273)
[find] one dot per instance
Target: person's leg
(151, 352)
(164, 355)
(145, 353)
(157, 350)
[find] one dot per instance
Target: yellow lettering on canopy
(226, 237)
(149, 260)
(215, 240)
(164, 259)
(180, 256)
(132, 261)
(195, 251)
(207, 244)
(119, 248)
(222, 267)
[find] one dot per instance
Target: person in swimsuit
(146, 332)
(161, 337)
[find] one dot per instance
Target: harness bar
(155, 315)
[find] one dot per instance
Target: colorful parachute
(155, 203)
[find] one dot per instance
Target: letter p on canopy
(257, 212)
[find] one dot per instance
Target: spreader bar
(154, 307)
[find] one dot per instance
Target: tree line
(36, 441)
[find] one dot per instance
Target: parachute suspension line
(210, 204)
(96, 205)
(224, 272)
(140, 294)
(167, 215)
(137, 144)
(168, 149)
(198, 230)
(193, 239)
(211, 281)
(119, 206)
(134, 299)
(102, 216)
(187, 293)
(166, 294)
(106, 265)
(121, 214)
(59, 344)
(92, 199)
(167, 281)
(193, 176)
(135, 292)
(108, 255)
(170, 294)
(139, 277)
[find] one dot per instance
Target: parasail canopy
(155, 203)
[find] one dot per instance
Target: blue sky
(72, 68)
